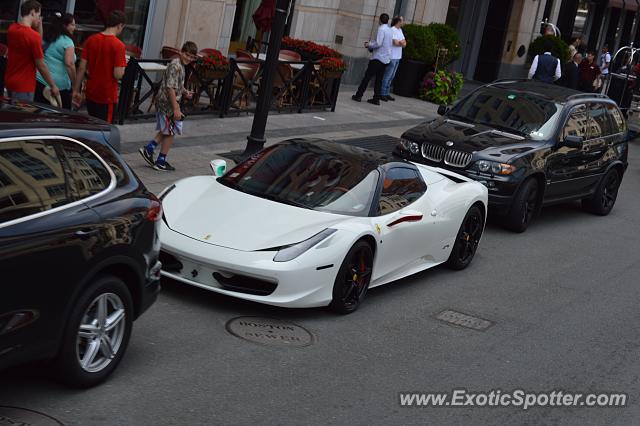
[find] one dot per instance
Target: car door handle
(86, 233)
(417, 217)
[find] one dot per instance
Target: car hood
(207, 211)
(479, 138)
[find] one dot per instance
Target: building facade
(495, 34)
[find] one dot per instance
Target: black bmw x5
(532, 144)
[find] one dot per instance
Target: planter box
(408, 77)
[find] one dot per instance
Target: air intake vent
(457, 158)
(433, 152)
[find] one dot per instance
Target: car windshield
(308, 175)
(522, 113)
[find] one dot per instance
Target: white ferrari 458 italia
(308, 223)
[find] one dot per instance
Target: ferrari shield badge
(378, 229)
(206, 237)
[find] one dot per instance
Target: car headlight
(290, 252)
(410, 146)
(486, 166)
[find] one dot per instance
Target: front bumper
(296, 283)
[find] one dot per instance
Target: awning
(628, 4)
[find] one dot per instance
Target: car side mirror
(443, 109)
(573, 141)
(218, 167)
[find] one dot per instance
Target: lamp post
(256, 140)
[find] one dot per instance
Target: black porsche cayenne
(532, 144)
(78, 243)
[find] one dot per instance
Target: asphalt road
(563, 297)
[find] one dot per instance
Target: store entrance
(492, 45)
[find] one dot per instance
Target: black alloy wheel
(603, 200)
(353, 279)
(524, 208)
(467, 239)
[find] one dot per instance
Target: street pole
(256, 140)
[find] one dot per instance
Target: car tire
(467, 239)
(353, 278)
(602, 201)
(524, 207)
(92, 346)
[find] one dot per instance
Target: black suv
(78, 243)
(531, 144)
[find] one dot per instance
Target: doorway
(492, 45)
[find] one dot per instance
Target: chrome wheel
(101, 332)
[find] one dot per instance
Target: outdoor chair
(244, 54)
(283, 85)
(243, 83)
(290, 55)
(169, 52)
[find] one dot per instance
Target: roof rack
(587, 95)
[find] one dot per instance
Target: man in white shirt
(605, 60)
(398, 43)
(381, 49)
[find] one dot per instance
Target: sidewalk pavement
(207, 137)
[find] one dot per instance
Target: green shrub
(559, 49)
(421, 43)
(446, 37)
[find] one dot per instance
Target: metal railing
(299, 86)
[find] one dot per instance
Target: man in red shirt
(103, 56)
(25, 55)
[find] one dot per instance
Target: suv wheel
(524, 207)
(96, 334)
(603, 200)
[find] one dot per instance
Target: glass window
(576, 124)
(33, 179)
(616, 119)
(88, 174)
(316, 176)
(402, 186)
(522, 113)
(599, 125)
(91, 16)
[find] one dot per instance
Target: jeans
(375, 68)
(21, 96)
(389, 73)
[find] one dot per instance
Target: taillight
(154, 213)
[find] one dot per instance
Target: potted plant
(309, 50)
(212, 66)
(332, 67)
(441, 87)
(416, 58)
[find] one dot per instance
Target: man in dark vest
(545, 67)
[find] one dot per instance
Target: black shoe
(374, 101)
(383, 98)
(356, 98)
(148, 156)
(390, 98)
(164, 167)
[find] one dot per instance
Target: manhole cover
(22, 417)
(464, 320)
(269, 331)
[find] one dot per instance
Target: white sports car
(308, 223)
